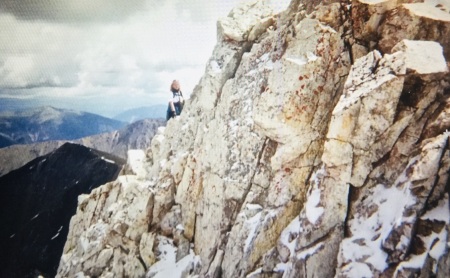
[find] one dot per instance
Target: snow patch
(439, 213)
(313, 211)
(252, 224)
(282, 267)
(356, 269)
(166, 266)
(215, 68)
(289, 234)
(299, 61)
(256, 272)
(311, 56)
(108, 160)
(57, 233)
(369, 230)
(310, 251)
(253, 207)
(435, 243)
(136, 159)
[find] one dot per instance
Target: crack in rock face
(315, 145)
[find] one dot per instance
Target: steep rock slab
(366, 125)
(392, 241)
(173, 160)
(290, 111)
(260, 186)
(383, 229)
(37, 202)
(109, 233)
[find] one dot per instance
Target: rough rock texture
(315, 145)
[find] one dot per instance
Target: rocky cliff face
(315, 145)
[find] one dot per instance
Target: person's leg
(177, 108)
(168, 113)
(171, 113)
(172, 107)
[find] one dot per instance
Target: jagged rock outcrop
(315, 145)
(37, 202)
(137, 135)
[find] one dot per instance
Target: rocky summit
(315, 145)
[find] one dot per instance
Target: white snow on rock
(136, 160)
(310, 251)
(252, 225)
(440, 213)
(311, 56)
(313, 210)
(167, 266)
(435, 243)
(215, 68)
(108, 160)
(288, 236)
(369, 230)
(299, 61)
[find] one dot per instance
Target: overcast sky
(104, 56)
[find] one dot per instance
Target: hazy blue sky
(104, 56)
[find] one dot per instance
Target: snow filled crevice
(435, 243)
(167, 266)
(376, 217)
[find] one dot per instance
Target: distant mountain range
(49, 123)
(137, 135)
(148, 112)
(37, 202)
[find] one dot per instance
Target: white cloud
(72, 11)
(119, 53)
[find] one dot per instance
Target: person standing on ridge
(176, 102)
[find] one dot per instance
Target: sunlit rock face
(315, 145)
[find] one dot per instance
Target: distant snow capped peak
(49, 113)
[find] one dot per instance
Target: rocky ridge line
(314, 145)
